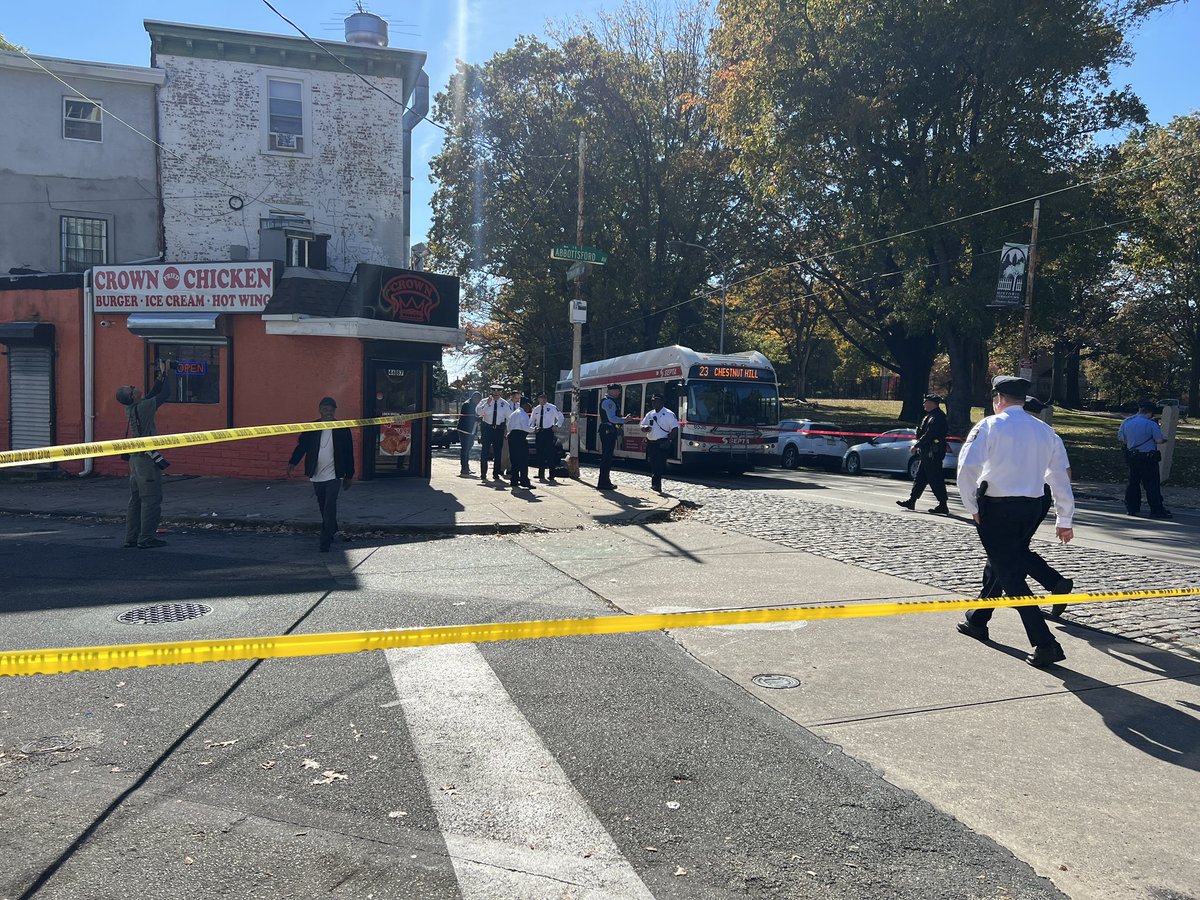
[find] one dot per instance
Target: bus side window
(656, 387)
(633, 400)
(564, 403)
(589, 406)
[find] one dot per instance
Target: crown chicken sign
(408, 297)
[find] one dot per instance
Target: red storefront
(256, 344)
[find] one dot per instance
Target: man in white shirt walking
(545, 418)
(659, 426)
(1003, 469)
(329, 464)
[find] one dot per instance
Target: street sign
(1027, 369)
(577, 313)
(576, 271)
(580, 254)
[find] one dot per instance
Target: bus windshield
(733, 403)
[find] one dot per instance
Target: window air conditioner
(284, 141)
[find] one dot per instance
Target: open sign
(191, 367)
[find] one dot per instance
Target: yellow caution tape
(187, 439)
(169, 653)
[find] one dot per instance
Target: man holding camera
(146, 468)
(329, 464)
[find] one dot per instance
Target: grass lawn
(1090, 438)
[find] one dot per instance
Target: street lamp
(724, 288)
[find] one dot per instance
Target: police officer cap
(496, 387)
(933, 398)
(614, 387)
(1034, 405)
(1010, 386)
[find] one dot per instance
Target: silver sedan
(892, 452)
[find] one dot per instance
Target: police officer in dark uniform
(1005, 465)
(612, 424)
(931, 447)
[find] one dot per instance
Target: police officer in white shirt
(1003, 468)
(493, 412)
(519, 427)
(545, 418)
(659, 425)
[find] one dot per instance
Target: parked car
(892, 452)
(444, 431)
(797, 444)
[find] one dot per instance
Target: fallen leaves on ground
(329, 776)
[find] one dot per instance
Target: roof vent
(366, 29)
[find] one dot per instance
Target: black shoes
(1046, 655)
(979, 632)
(940, 510)
(1162, 514)
(1064, 586)
(907, 504)
(606, 487)
(130, 545)
(151, 544)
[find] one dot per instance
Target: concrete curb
(646, 517)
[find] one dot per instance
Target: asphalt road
(602, 767)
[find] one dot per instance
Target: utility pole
(724, 293)
(577, 327)
(1026, 362)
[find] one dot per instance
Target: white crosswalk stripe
(514, 824)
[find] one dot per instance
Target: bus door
(589, 402)
(632, 440)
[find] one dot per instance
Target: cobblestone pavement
(901, 546)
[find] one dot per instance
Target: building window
(285, 115)
(84, 243)
(197, 371)
(81, 120)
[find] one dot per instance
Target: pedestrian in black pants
(493, 413)
(1005, 465)
(1142, 437)
(612, 425)
(1036, 567)
(661, 428)
(329, 464)
(545, 418)
(519, 427)
(931, 449)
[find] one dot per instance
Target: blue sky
(1163, 72)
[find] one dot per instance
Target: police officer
(493, 413)
(660, 427)
(519, 427)
(545, 418)
(1003, 469)
(612, 425)
(931, 447)
(1141, 437)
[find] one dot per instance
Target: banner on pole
(1014, 269)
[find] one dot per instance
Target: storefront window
(197, 371)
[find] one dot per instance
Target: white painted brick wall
(350, 180)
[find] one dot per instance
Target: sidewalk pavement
(1084, 770)
(448, 502)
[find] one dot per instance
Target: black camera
(158, 459)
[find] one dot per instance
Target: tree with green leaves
(880, 131)
(6, 44)
(656, 180)
(1161, 197)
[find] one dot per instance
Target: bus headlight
(693, 443)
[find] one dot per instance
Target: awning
(40, 334)
(177, 328)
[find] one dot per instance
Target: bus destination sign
(731, 373)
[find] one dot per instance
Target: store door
(400, 449)
(31, 393)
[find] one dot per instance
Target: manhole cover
(776, 682)
(164, 613)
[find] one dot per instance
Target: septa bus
(727, 404)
